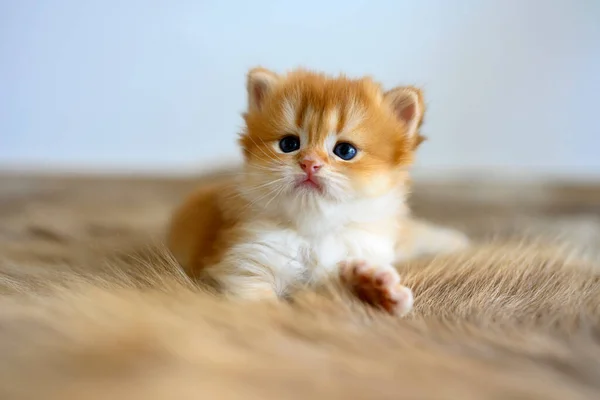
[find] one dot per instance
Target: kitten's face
(311, 137)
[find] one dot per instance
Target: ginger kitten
(322, 194)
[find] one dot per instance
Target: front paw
(377, 286)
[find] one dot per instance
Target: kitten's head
(313, 137)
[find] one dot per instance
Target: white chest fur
(307, 246)
(352, 243)
(297, 241)
(292, 257)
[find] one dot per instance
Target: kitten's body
(308, 215)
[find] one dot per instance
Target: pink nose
(310, 166)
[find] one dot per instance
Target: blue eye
(345, 151)
(289, 143)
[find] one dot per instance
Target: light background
(513, 86)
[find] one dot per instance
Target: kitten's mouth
(309, 182)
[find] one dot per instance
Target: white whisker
(275, 195)
(261, 149)
(261, 158)
(252, 189)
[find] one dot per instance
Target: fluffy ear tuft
(260, 83)
(408, 106)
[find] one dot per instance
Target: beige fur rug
(93, 308)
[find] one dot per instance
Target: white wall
(160, 84)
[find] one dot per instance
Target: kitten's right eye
(289, 143)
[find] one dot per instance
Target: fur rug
(92, 307)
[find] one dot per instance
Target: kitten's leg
(378, 286)
(262, 262)
(419, 238)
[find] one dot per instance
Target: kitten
(322, 194)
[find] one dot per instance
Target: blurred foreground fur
(91, 309)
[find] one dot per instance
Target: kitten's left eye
(289, 143)
(345, 151)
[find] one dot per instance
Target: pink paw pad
(378, 286)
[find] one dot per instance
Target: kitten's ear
(409, 107)
(260, 83)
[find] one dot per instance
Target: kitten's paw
(377, 286)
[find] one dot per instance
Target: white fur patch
(297, 241)
(283, 258)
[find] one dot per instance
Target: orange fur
(235, 232)
(358, 105)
